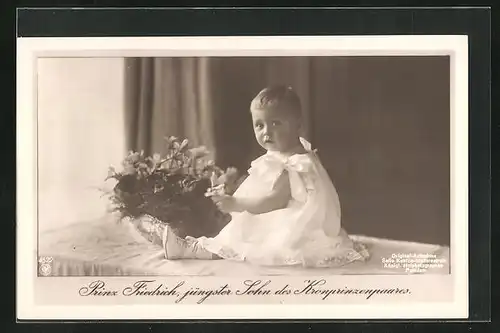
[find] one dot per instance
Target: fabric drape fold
(168, 96)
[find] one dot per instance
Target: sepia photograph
(235, 176)
(333, 163)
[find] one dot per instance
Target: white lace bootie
(177, 248)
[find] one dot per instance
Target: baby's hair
(280, 97)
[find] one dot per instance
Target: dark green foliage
(172, 188)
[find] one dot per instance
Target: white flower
(111, 171)
(200, 151)
(156, 158)
(132, 157)
(129, 169)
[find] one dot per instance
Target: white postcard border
(28, 49)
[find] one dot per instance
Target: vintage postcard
(242, 177)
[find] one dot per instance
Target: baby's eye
(276, 123)
(259, 126)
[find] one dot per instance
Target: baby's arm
(277, 199)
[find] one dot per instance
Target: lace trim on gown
(340, 257)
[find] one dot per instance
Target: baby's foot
(178, 248)
(191, 240)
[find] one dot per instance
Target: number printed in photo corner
(45, 266)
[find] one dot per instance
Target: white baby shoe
(177, 248)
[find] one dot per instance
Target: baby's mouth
(267, 140)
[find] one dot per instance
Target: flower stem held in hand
(278, 198)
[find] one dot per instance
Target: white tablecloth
(109, 248)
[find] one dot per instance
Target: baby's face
(275, 130)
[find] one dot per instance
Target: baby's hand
(226, 203)
(217, 190)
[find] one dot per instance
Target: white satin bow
(298, 162)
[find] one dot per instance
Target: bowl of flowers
(154, 191)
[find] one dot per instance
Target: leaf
(170, 187)
(111, 173)
(184, 145)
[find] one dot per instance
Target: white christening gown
(307, 232)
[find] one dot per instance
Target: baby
(287, 211)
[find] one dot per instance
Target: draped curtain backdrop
(205, 100)
(168, 96)
(381, 125)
